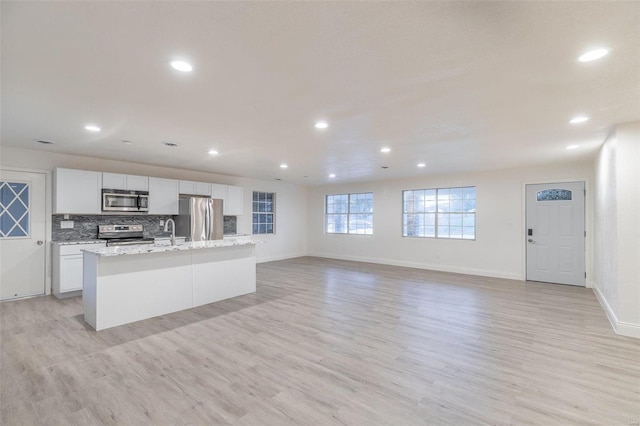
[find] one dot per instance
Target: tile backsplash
(230, 225)
(85, 227)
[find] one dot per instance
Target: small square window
(349, 214)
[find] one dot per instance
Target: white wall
(605, 227)
(499, 247)
(617, 228)
(290, 239)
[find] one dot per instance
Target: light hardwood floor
(329, 342)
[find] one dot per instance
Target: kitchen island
(126, 284)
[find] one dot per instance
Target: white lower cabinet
(67, 267)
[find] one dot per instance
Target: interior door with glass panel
(22, 234)
(555, 233)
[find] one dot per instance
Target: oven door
(113, 202)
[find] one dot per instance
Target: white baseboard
(620, 327)
(628, 329)
(429, 266)
(281, 257)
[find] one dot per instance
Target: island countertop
(143, 249)
(126, 284)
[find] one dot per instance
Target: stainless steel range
(123, 235)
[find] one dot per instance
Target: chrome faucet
(173, 230)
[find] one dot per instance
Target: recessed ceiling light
(579, 119)
(171, 144)
(385, 150)
(181, 66)
(213, 152)
(332, 175)
(283, 166)
(573, 146)
(422, 165)
(45, 142)
(321, 125)
(92, 128)
(592, 55)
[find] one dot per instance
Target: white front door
(22, 234)
(555, 233)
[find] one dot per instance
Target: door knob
(531, 240)
(40, 242)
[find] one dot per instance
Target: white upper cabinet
(80, 192)
(128, 182)
(219, 191)
(232, 197)
(163, 196)
(137, 183)
(195, 188)
(76, 191)
(234, 204)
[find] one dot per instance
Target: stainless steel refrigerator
(200, 219)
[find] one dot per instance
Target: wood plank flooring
(327, 342)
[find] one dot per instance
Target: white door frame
(588, 224)
(47, 218)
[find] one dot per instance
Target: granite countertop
(142, 249)
(67, 243)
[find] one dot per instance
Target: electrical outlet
(162, 223)
(66, 224)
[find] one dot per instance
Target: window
(554, 195)
(349, 214)
(439, 213)
(264, 207)
(14, 209)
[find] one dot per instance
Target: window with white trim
(264, 208)
(349, 214)
(439, 213)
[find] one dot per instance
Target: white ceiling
(462, 86)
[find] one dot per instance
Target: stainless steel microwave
(118, 200)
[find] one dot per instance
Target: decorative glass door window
(554, 195)
(14, 209)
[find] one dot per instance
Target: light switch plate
(66, 224)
